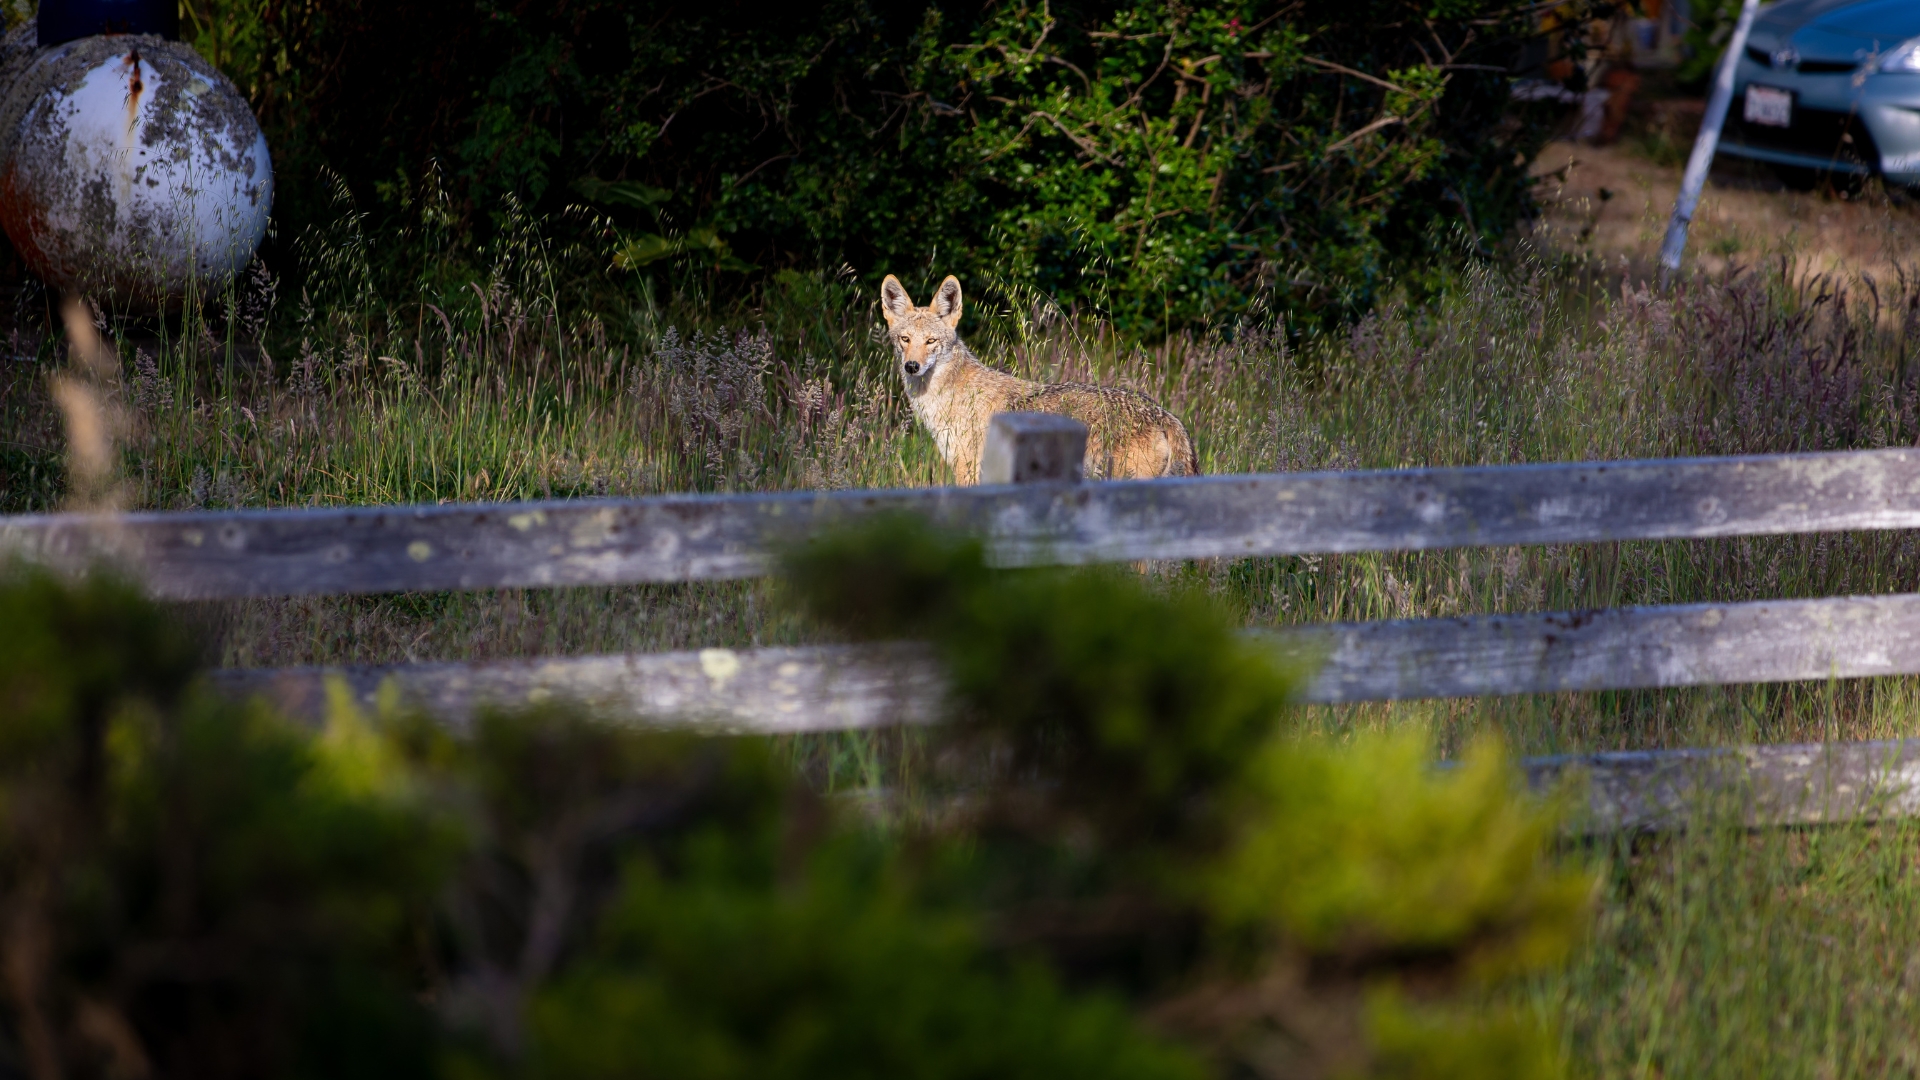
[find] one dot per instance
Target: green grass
(1725, 952)
(1716, 952)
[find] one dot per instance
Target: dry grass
(1612, 202)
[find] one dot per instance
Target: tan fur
(954, 395)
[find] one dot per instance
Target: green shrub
(1138, 870)
(191, 887)
(1148, 820)
(1488, 1043)
(730, 969)
(1166, 164)
(196, 888)
(639, 904)
(1367, 849)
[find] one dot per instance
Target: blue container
(64, 20)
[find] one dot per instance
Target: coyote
(954, 396)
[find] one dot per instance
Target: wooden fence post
(1026, 447)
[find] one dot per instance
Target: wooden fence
(1042, 514)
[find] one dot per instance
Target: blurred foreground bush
(1123, 866)
(190, 887)
(1135, 808)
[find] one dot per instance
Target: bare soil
(1614, 202)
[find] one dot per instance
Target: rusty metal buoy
(130, 168)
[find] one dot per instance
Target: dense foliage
(1162, 162)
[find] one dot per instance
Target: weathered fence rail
(1060, 521)
(763, 691)
(1796, 784)
(844, 686)
(790, 690)
(225, 555)
(1615, 649)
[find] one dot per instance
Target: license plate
(1766, 105)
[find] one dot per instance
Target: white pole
(1703, 147)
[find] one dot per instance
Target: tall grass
(1725, 952)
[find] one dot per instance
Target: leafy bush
(1145, 817)
(196, 888)
(1374, 852)
(191, 887)
(644, 904)
(730, 969)
(1163, 163)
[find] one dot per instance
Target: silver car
(1830, 88)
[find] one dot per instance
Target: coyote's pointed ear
(946, 301)
(893, 300)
